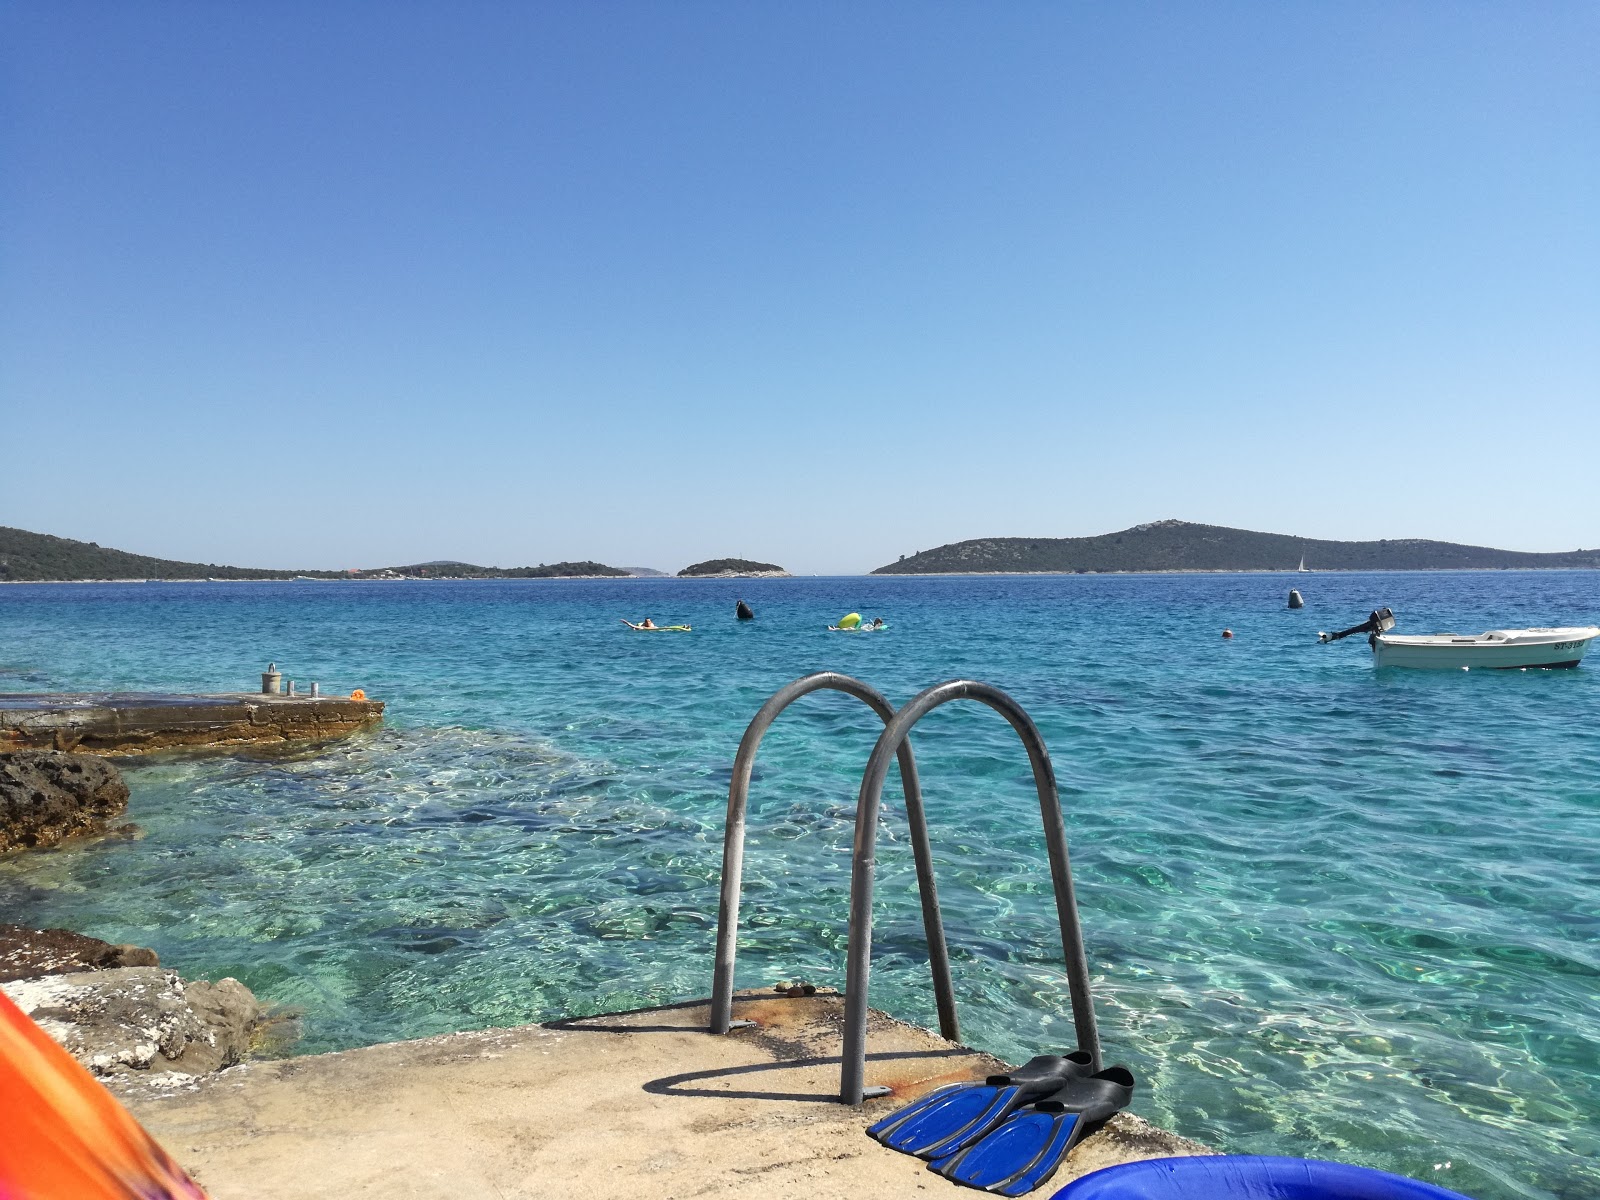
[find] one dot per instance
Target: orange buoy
(1227, 633)
(358, 694)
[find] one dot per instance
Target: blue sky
(335, 284)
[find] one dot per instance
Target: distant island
(732, 568)
(447, 569)
(42, 558)
(1185, 546)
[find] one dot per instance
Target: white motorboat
(1496, 650)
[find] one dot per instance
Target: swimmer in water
(647, 623)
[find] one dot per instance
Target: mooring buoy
(1296, 600)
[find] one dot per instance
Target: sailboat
(1302, 569)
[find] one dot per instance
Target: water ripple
(1330, 912)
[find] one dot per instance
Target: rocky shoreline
(113, 1007)
(740, 575)
(124, 1016)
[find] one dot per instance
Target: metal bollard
(291, 687)
(315, 689)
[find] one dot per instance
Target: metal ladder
(894, 744)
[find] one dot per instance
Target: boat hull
(1499, 650)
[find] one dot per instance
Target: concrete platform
(137, 722)
(634, 1104)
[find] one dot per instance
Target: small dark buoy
(743, 612)
(1296, 600)
(1227, 633)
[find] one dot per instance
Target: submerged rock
(47, 796)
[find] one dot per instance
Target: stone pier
(137, 722)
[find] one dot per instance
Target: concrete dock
(138, 722)
(635, 1104)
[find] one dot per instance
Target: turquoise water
(1330, 912)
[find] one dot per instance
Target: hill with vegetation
(42, 558)
(729, 568)
(461, 570)
(1185, 546)
(565, 570)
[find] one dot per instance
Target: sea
(1330, 911)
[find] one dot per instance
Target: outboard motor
(1381, 621)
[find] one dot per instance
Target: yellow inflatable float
(852, 623)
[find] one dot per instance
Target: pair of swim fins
(1008, 1134)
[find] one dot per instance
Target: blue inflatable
(1247, 1177)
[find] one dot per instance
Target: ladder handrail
(896, 734)
(733, 846)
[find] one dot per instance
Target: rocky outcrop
(132, 1020)
(30, 953)
(47, 797)
(122, 1016)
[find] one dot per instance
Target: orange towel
(63, 1136)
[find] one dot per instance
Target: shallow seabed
(1332, 912)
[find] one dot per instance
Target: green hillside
(39, 556)
(1185, 546)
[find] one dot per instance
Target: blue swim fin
(947, 1119)
(1031, 1143)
